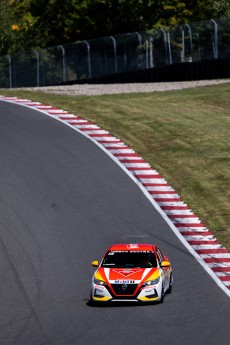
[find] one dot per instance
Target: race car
(132, 272)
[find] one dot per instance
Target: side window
(159, 255)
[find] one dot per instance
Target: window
(160, 256)
(128, 259)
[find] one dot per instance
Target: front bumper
(141, 294)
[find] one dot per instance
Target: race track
(63, 201)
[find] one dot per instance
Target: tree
(29, 24)
(60, 21)
(175, 12)
(85, 19)
(207, 9)
(7, 20)
(16, 24)
(121, 16)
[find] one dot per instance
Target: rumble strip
(200, 242)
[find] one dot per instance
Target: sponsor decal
(132, 246)
(151, 287)
(126, 272)
(124, 281)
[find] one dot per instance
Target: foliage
(27, 24)
(17, 25)
(7, 19)
(174, 12)
(207, 9)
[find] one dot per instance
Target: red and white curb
(200, 242)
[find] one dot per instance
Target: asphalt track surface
(63, 201)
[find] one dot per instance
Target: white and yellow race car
(132, 272)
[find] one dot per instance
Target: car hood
(126, 275)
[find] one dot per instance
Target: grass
(184, 135)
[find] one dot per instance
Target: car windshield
(126, 259)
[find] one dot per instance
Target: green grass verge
(184, 135)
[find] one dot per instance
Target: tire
(162, 295)
(91, 302)
(170, 284)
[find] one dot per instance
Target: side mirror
(95, 263)
(165, 264)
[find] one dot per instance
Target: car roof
(132, 247)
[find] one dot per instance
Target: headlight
(99, 282)
(151, 282)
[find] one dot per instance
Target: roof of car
(133, 247)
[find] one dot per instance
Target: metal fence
(86, 60)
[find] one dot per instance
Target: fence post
(151, 63)
(147, 53)
(88, 58)
(115, 52)
(190, 36)
(63, 62)
(165, 41)
(10, 71)
(215, 42)
(183, 47)
(139, 39)
(38, 72)
(169, 47)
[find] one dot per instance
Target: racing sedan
(132, 272)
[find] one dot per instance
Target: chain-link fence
(87, 60)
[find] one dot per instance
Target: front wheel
(91, 302)
(162, 295)
(170, 284)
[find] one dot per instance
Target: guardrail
(87, 60)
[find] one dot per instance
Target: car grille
(124, 289)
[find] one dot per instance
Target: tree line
(29, 24)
